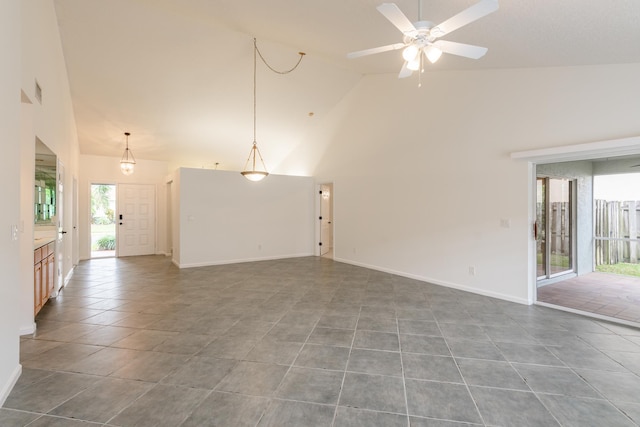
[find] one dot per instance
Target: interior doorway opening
(326, 220)
(103, 220)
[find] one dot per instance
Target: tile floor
(312, 342)
(606, 294)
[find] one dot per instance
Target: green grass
(557, 260)
(622, 268)
(101, 231)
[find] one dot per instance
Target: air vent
(38, 92)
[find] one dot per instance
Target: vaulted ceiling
(178, 74)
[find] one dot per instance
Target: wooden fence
(559, 227)
(616, 231)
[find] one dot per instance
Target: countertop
(42, 241)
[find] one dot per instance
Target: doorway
(554, 227)
(326, 220)
(60, 250)
(103, 220)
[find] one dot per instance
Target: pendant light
(254, 174)
(259, 174)
(128, 162)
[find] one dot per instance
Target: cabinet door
(50, 274)
(37, 287)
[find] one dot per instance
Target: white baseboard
(433, 281)
(28, 329)
(238, 261)
(68, 276)
(8, 386)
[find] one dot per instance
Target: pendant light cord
(255, 45)
(257, 51)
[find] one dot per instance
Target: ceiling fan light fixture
(410, 52)
(418, 37)
(433, 53)
(415, 64)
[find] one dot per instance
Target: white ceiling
(178, 74)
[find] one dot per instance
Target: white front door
(136, 219)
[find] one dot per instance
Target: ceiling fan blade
(461, 49)
(373, 50)
(477, 11)
(397, 18)
(405, 71)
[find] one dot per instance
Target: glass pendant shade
(410, 52)
(433, 54)
(127, 167)
(415, 64)
(254, 174)
(128, 162)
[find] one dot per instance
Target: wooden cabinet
(50, 267)
(37, 280)
(43, 275)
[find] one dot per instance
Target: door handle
(535, 230)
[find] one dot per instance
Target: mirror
(45, 185)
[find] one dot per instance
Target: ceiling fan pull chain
(302, 54)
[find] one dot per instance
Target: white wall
(10, 213)
(422, 176)
(224, 218)
(52, 121)
(106, 170)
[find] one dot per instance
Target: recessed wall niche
(44, 194)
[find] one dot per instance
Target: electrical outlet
(14, 233)
(505, 223)
(472, 270)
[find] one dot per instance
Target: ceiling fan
(421, 38)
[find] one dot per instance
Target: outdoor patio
(605, 294)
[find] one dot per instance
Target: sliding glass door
(554, 227)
